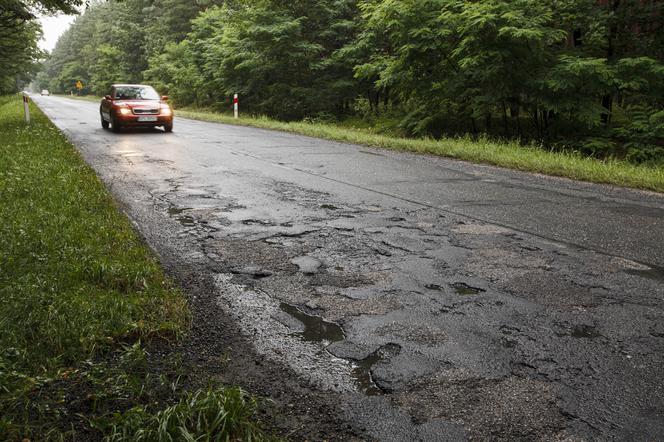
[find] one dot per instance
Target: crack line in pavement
(454, 212)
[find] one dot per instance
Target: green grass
(485, 151)
(203, 415)
(81, 301)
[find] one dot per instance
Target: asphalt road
(391, 296)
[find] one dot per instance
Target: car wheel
(168, 127)
(115, 124)
(104, 123)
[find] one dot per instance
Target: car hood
(138, 103)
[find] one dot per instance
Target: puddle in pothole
(186, 220)
(464, 289)
(329, 207)
(435, 287)
(362, 369)
(316, 329)
(260, 222)
(177, 210)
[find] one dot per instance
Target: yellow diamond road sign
(79, 85)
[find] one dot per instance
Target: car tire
(168, 127)
(115, 125)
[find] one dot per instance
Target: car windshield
(136, 93)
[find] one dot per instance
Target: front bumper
(136, 120)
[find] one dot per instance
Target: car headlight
(166, 110)
(125, 111)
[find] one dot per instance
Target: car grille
(145, 110)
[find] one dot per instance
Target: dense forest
(583, 75)
(19, 36)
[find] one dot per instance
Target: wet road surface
(422, 298)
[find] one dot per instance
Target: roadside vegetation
(83, 303)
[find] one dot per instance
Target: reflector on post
(26, 107)
(236, 106)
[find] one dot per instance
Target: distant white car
(45, 92)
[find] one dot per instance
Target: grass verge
(504, 154)
(82, 302)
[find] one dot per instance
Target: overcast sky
(53, 27)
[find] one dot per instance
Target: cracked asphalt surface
(380, 295)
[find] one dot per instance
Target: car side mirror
(164, 97)
(107, 97)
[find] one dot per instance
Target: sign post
(26, 107)
(236, 106)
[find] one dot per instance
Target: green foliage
(75, 280)
(19, 34)
(644, 134)
(19, 53)
(205, 416)
(80, 295)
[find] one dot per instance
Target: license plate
(145, 119)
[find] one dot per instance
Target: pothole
(585, 331)
(464, 289)
(362, 369)
(316, 329)
(579, 331)
(177, 210)
(186, 220)
(307, 264)
(259, 222)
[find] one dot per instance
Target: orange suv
(135, 105)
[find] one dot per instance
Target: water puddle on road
(177, 213)
(177, 210)
(316, 329)
(257, 222)
(465, 290)
(186, 220)
(362, 369)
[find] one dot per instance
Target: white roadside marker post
(236, 106)
(26, 107)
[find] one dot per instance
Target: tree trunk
(607, 100)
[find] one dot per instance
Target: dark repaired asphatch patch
(654, 273)
(316, 329)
